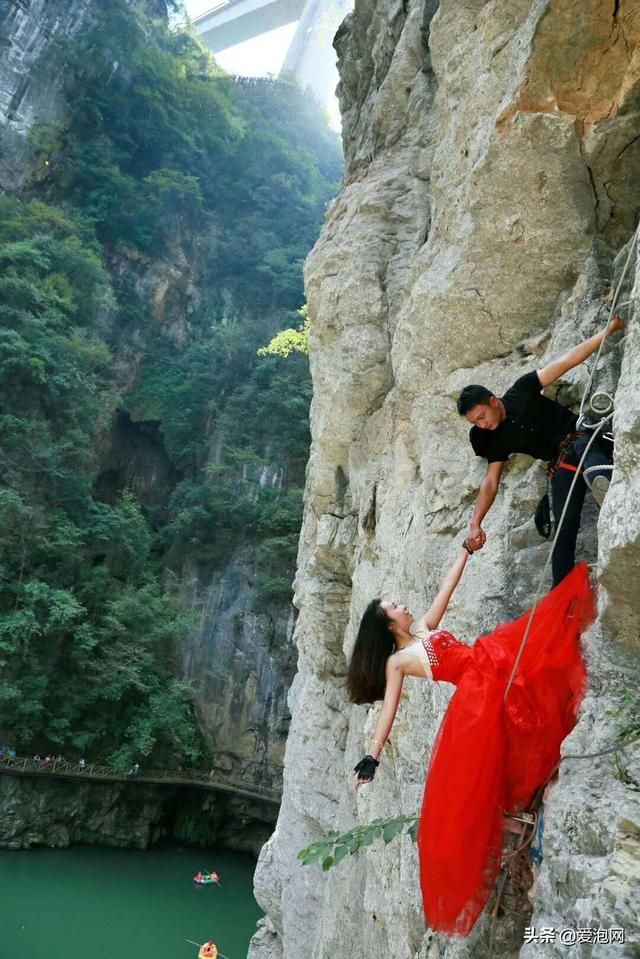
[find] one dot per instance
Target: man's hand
(617, 323)
(476, 537)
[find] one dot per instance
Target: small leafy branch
(335, 846)
(291, 340)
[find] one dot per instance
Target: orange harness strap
(563, 449)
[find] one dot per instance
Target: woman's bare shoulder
(408, 661)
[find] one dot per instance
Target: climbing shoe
(599, 489)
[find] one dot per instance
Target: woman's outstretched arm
(393, 688)
(436, 611)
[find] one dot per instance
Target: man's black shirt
(534, 424)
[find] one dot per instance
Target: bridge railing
(27, 764)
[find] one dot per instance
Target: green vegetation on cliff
(161, 159)
(87, 635)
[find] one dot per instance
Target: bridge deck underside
(237, 22)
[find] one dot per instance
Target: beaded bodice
(448, 657)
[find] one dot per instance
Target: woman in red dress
(490, 754)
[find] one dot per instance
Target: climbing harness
(560, 462)
(543, 517)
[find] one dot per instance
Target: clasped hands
(617, 323)
(476, 537)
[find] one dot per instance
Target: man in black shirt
(525, 421)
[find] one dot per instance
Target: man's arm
(549, 374)
(484, 502)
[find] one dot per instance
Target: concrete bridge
(61, 769)
(310, 57)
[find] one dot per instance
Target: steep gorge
(110, 114)
(492, 162)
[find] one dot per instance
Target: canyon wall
(238, 653)
(29, 33)
(492, 171)
(42, 811)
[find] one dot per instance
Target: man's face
(486, 416)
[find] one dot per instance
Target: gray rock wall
(492, 174)
(40, 811)
(240, 660)
(29, 85)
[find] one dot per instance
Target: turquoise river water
(94, 903)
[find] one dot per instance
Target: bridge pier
(310, 59)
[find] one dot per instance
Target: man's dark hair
(471, 396)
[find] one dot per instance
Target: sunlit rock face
(492, 160)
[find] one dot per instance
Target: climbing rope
(596, 430)
(576, 477)
(614, 303)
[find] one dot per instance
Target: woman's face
(400, 614)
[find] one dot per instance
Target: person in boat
(491, 754)
(525, 421)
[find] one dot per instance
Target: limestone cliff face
(240, 660)
(492, 175)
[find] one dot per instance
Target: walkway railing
(169, 777)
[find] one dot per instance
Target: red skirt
(490, 756)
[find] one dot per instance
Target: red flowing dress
(490, 756)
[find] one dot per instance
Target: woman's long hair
(366, 680)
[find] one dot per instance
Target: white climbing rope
(614, 303)
(596, 429)
(553, 546)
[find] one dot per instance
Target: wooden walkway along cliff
(61, 769)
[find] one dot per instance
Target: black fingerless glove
(366, 768)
